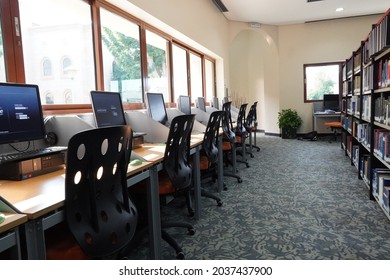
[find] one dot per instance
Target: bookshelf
(366, 111)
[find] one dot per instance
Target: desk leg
(220, 165)
(154, 219)
(197, 184)
(35, 240)
(234, 159)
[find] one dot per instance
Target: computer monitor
(201, 104)
(184, 104)
(215, 102)
(331, 102)
(107, 108)
(21, 117)
(156, 107)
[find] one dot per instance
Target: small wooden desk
(320, 118)
(9, 233)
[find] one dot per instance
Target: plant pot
(289, 133)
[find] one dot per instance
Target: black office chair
(209, 153)
(251, 127)
(99, 212)
(242, 134)
(229, 143)
(175, 179)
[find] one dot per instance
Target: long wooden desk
(9, 234)
(42, 199)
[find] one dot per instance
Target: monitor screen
(201, 104)
(156, 107)
(107, 108)
(331, 102)
(184, 104)
(215, 102)
(21, 117)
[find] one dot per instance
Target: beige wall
(281, 53)
(258, 64)
(333, 40)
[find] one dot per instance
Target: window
(209, 79)
(121, 57)
(320, 79)
(67, 66)
(77, 46)
(64, 31)
(3, 77)
(157, 57)
(180, 80)
(47, 69)
(196, 76)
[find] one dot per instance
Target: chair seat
(165, 186)
(226, 146)
(334, 124)
(61, 245)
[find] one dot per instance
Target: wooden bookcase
(366, 111)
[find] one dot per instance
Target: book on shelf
(368, 78)
(380, 179)
(364, 170)
(385, 200)
(383, 80)
(355, 154)
(366, 107)
(381, 143)
(379, 36)
(382, 109)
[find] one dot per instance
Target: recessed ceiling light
(339, 9)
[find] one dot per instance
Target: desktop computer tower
(24, 169)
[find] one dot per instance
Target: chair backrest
(99, 212)
(241, 119)
(209, 145)
(227, 124)
(251, 118)
(176, 157)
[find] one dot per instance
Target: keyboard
(19, 156)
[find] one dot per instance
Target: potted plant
(289, 121)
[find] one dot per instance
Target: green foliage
(127, 54)
(289, 118)
(323, 87)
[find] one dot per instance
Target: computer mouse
(135, 162)
(2, 217)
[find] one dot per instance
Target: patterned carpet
(298, 200)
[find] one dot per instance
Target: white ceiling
(282, 12)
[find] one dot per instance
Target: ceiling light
(339, 9)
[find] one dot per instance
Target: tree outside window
(320, 79)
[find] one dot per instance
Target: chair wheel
(180, 256)
(252, 156)
(191, 231)
(219, 203)
(239, 180)
(247, 165)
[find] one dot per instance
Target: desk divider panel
(140, 121)
(65, 127)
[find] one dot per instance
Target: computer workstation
(325, 111)
(41, 198)
(22, 125)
